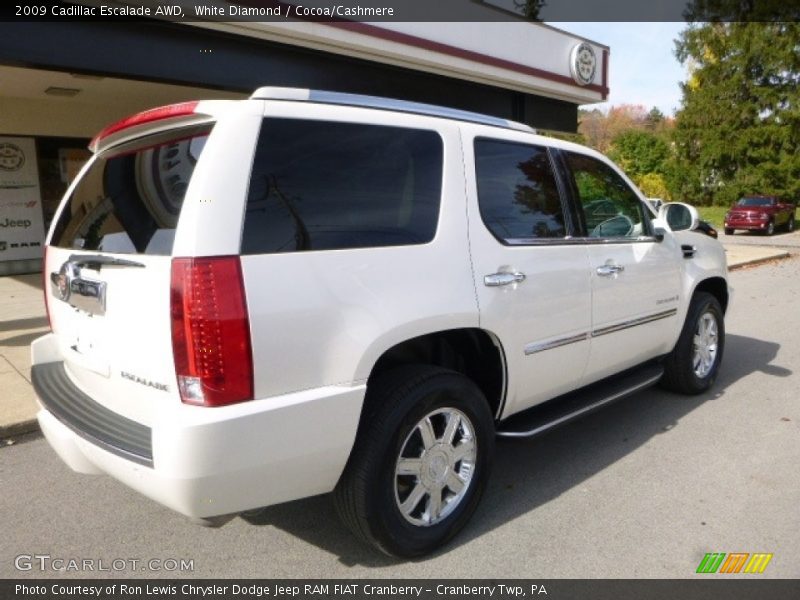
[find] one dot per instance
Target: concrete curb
(18, 429)
(759, 260)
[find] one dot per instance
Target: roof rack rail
(431, 110)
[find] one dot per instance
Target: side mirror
(679, 216)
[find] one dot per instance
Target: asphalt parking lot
(642, 489)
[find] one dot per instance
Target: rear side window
(319, 185)
(130, 198)
(517, 192)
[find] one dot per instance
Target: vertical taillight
(211, 331)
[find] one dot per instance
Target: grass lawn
(713, 214)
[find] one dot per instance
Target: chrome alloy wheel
(704, 353)
(435, 467)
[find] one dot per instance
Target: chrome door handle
(498, 279)
(609, 270)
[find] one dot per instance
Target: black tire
(790, 224)
(770, 228)
(368, 495)
(679, 370)
(728, 231)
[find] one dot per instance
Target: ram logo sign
(719, 562)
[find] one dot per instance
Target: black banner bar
(701, 588)
(187, 11)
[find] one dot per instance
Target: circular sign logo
(582, 63)
(11, 157)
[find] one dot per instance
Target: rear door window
(517, 192)
(130, 198)
(319, 185)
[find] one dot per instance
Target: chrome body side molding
(535, 347)
(542, 346)
(635, 322)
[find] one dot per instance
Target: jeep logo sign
(25, 223)
(21, 218)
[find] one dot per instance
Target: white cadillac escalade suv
(308, 292)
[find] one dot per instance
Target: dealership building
(64, 81)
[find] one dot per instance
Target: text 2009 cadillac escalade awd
(304, 292)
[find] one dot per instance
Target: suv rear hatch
(108, 267)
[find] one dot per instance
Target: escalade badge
(142, 381)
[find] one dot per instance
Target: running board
(546, 416)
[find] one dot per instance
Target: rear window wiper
(95, 261)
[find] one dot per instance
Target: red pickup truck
(760, 213)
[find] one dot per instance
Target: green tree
(646, 158)
(742, 10)
(653, 185)
(738, 130)
(654, 119)
(639, 152)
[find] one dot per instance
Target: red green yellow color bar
(716, 562)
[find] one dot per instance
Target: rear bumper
(89, 419)
(209, 461)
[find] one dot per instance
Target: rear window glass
(130, 198)
(319, 185)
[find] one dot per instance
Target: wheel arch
(471, 351)
(717, 287)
